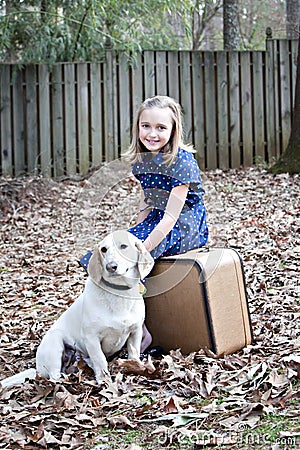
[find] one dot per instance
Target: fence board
(109, 106)
(137, 84)
(198, 111)
(18, 120)
(5, 122)
(286, 95)
(124, 99)
(210, 109)
(294, 55)
(258, 105)
(149, 74)
(31, 119)
(116, 112)
(186, 94)
(70, 118)
(45, 122)
(222, 115)
(83, 117)
(57, 122)
(234, 135)
(173, 75)
(246, 105)
(270, 99)
(161, 73)
(277, 93)
(96, 114)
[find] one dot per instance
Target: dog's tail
(19, 378)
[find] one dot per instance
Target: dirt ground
(249, 399)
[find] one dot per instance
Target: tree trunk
(231, 25)
(292, 18)
(289, 161)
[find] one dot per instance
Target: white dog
(108, 314)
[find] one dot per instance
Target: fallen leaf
(121, 421)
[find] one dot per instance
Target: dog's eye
(123, 246)
(103, 249)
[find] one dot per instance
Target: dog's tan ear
(145, 260)
(95, 266)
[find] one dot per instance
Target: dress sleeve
(185, 170)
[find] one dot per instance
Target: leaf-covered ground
(249, 399)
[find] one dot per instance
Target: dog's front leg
(97, 358)
(134, 344)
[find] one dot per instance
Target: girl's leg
(146, 339)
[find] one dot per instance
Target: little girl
(172, 216)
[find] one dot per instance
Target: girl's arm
(144, 209)
(173, 209)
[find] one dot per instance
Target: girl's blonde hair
(136, 148)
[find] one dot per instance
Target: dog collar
(118, 287)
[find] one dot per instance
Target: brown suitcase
(198, 300)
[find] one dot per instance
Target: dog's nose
(111, 266)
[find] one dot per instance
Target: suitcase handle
(204, 250)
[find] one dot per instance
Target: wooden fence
(61, 120)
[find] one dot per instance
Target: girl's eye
(162, 128)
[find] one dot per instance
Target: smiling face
(155, 128)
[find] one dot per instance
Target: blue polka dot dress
(157, 180)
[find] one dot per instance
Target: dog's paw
(103, 378)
